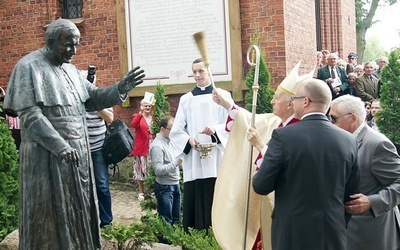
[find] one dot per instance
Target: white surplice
(197, 110)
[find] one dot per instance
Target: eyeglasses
(168, 128)
(335, 118)
(293, 97)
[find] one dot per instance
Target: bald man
(312, 167)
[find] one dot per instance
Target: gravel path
(126, 210)
(125, 206)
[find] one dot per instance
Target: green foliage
(9, 199)
(150, 228)
(161, 108)
(193, 239)
(265, 93)
(361, 13)
(130, 237)
(256, 35)
(365, 8)
(365, 13)
(373, 50)
(397, 49)
(388, 119)
(149, 203)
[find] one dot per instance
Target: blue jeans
(168, 202)
(103, 187)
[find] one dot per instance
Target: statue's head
(62, 37)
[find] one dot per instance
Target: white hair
(144, 101)
(350, 104)
(371, 63)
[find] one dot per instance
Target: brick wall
(20, 32)
(268, 18)
(300, 35)
(349, 28)
(338, 26)
(287, 35)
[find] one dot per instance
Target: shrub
(161, 107)
(265, 93)
(176, 235)
(151, 228)
(130, 237)
(389, 117)
(9, 199)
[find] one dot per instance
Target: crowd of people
(351, 77)
(336, 178)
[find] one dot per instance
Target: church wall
(338, 26)
(287, 35)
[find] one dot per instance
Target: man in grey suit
(367, 85)
(375, 212)
(312, 166)
(335, 77)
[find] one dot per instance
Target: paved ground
(126, 209)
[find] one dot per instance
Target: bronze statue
(57, 198)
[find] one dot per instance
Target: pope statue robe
(58, 203)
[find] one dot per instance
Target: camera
(91, 73)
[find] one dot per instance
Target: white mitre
(292, 81)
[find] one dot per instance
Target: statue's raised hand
(131, 80)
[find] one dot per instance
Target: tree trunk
(361, 43)
(362, 27)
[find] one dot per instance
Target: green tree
(388, 119)
(373, 50)
(365, 12)
(265, 93)
(8, 181)
(161, 107)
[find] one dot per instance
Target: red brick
(287, 29)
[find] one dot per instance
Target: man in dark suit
(312, 166)
(375, 212)
(335, 77)
(367, 85)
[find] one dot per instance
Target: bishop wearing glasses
(312, 167)
(230, 188)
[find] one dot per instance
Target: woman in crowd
(141, 122)
(325, 54)
(359, 70)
